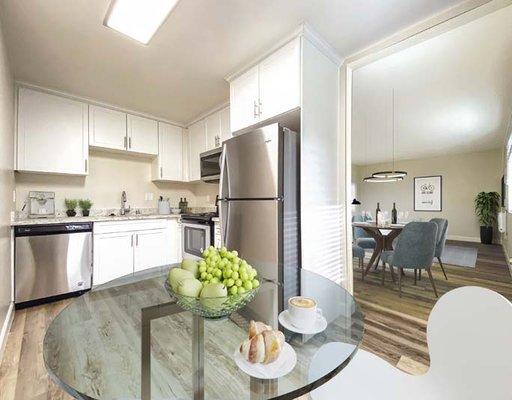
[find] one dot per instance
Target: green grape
(227, 273)
(214, 280)
(252, 274)
(238, 282)
(243, 276)
(203, 275)
(202, 263)
(241, 290)
(205, 283)
(236, 267)
(244, 263)
(209, 276)
(218, 273)
(205, 253)
(236, 260)
(242, 269)
(255, 283)
(233, 290)
(235, 275)
(230, 282)
(234, 253)
(209, 270)
(211, 248)
(202, 269)
(248, 285)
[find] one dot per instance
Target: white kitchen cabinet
(113, 256)
(196, 145)
(169, 164)
(225, 126)
(270, 88)
(279, 81)
(244, 95)
(152, 249)
(213, 131)
(142, 135)
(52, 134)
(177, 249)
(185, 156)
(107, 128)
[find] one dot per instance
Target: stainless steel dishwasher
(51, 262)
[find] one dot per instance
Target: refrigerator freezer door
(251, 165)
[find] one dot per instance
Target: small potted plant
(487, 205)
(70, 207)
(85, 205)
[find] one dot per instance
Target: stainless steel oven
(210, 165)
(197, 234)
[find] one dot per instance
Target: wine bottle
(394, 217)
(377, 214)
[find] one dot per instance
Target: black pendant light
(356, 202)
(393, 175)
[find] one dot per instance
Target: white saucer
(280, 367)
(320, 324)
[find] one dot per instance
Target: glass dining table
(128, 339)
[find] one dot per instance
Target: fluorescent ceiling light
(138, 19)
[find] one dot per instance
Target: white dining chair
(469, 335)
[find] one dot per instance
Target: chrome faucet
(124, 210)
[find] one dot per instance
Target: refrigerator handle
(224, 175)
(224, 219)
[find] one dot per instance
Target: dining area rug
(460, 256)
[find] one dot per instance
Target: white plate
(280, 367)
(320, 324)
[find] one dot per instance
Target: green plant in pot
(487, 205)
(85, 205)
(70, 207)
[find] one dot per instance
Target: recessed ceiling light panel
(138, 19)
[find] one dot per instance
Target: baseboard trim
(5, 329)
(464, 238)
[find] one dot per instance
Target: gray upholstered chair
(358, 252)
(361, 237)
(442, 230)
(415, 249)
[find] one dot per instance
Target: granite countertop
(103, 218)
(216, 219)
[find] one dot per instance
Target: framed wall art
(428, 193)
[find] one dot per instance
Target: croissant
(264, 347)
(257, 327)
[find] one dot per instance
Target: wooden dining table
(383, 235)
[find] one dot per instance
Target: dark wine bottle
(394, 216)
(377, 214)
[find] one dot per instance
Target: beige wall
(464, 175)
(109, 175)
(6, 181)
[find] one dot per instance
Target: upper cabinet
(213, 131)
(268, 89)
(142, 135)
(169, 163)
(225, 126)
(196, 145)
(107, 128)
(52, 134)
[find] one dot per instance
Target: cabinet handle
(125, 142)
(130, 142)
(255, 109)
(85, 165)
(137, 239)
(161, 172)
(132, 241)
(259, 107)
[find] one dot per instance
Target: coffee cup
(303, 312)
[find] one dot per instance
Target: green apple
(176, 275)
(190, 265)
(190, 287)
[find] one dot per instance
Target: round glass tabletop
(129, 340)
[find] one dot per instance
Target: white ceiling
(62, 44)
(453, 94)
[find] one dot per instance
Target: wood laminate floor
(395, 328)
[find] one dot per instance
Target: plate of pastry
(265, 354)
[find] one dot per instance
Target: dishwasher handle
(52, 229)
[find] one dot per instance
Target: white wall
(464, 176)
(6, 185)
(109, 175)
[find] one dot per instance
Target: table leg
(198, 357)
(262, 389)
(375, 255)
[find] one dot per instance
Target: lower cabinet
(122, 248)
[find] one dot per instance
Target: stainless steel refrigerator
(259, 212)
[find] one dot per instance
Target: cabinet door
(175, 235)
(107, 128)
(225, 127)
(142, 135)
(213, 131)
(244, 100)
(113, 256)
(152, 249)
(52, 134)
(196, 145)
(279, 81)
(170, 153)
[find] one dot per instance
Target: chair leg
(419, 275)
(432, 281)
(442, 267)
(400, 270)
(392, 273)
(383, 271)
(415, 276)
(376, 264)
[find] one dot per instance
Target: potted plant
(487, 205)
(70, 207)
(85, 205)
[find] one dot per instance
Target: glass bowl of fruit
(215, 286)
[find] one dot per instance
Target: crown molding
(207, 113)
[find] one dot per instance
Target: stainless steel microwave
(210, 165)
